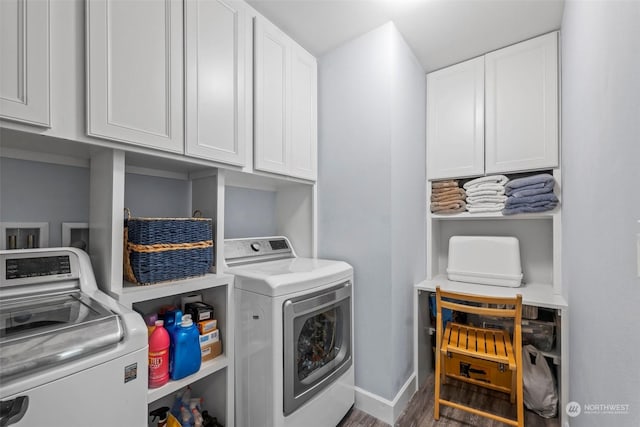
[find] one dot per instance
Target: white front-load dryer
(294, 335)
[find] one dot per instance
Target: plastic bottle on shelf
(150, 320)
(162, 414)
(185, 349)
(159, 344)
(172, 319)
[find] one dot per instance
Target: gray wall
(601, 173)
(249, 213)
(157, 197)
(408, 212)
(371, 194)
(43, 192)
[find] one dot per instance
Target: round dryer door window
(317, 343)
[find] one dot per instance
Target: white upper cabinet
(24, 67)
(135, 72)
(271, 98)
(522, 106)
(455, 120)
(285, 96)
(304, 96)
(215, 80)
(495, 114)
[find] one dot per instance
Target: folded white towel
(486, 189)
(472, 209)
(491, 179)
(486, 199)
(496, 190)
(487, 205)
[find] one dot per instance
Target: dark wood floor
(419, 412)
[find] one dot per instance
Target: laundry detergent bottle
(185, 349)
(159, 343)
(172, 319)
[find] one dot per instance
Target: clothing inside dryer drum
(318, 342)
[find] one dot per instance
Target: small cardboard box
(199, 311)
(460, 366)
(210, 345)
(207, 326)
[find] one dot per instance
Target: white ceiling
(440, 32)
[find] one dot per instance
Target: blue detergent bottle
(172, 319)
(186, 349)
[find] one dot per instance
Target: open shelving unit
(151, 187)
(132, 293)
(540, 238)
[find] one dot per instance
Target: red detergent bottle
(159, 356)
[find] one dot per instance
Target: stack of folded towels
(530, 194)
(486, 194)
(447, 197)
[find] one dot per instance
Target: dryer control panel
(240, 251)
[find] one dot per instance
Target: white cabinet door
(285, 96)
(271, 96)
(135, 72)
(304, 134)
(24, 67)
(455, 121)
(522, 106)
(215, 70)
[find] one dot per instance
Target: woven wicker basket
(164, 249)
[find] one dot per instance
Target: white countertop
(538, 294)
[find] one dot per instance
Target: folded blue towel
(530, 200)
(547, 206)
(540, 178)
(531, 190)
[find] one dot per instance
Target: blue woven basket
(165, 249)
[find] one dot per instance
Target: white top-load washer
(69, 354)
(294, 335)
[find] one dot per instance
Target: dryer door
(317, 343)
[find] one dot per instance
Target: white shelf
(538, 294)
(494, 215)
(209, 367)
(132, 293)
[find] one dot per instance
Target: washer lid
(42, 332)
(281, 277)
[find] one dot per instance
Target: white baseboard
(383, 409)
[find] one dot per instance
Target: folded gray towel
(547, 206)
(531, 190)
(540, 178)
(512, 202)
